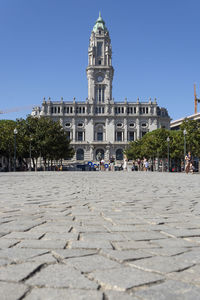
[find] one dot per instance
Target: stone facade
(99, 125)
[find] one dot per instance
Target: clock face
(99, 78)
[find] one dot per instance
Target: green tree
(7, 140)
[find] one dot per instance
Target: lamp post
(30, 153)
(168, 139)
(184, 133)
(15, 134)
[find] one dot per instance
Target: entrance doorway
(99, 154)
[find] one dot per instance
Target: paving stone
(4, 243)
(69, 253)
(90, 244)
(127, 245)
(167, 251)
(23, 235)
(44, 258)
(162, 264)
(63, 277)
(60, 236)
(144, 236)
(53, 228)
(174, 243)
(113, 295)
(20, 255)
(12, 291)
(43, 244)
(126, 255)
(91, 263)
(191, 275)
(170, 290)
(17, 272)
(60, 294)
(182, 232)
(4, 262)
(121, 279)
(103, 236)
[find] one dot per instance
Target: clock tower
(100, 71)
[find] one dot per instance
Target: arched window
(99, 154)
(80, 154)
(119, 154)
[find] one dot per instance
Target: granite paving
(99, 235)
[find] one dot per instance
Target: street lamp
(184, 133)
(30, 153)
(168, 139)
(15, 134)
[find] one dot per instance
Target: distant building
(100, 127)
(175, 125)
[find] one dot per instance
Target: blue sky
(44, 43)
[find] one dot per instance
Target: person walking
(188, 162)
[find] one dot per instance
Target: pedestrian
(145, 164)
(188, 161)
(125, 163)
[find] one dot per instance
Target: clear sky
(44, 44)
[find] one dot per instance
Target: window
(67, 124)
(144, 125)
(143, 133)
(80, 154)
(119, 110)
(99, 31)
(122, 110)
(127, 110)
(67, 110)
(119, 154)
(119, 136)
(103, 90)
(64, 109)
(58, 109)
(134, 110)
(102, 110)
(143, 110)
(132, 124)
(83, 109)
(71, 110)
(79, 110)
(116, 110)
(80, 124)
(131, 136)
(99, 62)
(80, 136)
(99, 136)
(131, 109)
(100, 93)
(68, 135)
(119, 124)
(52, 110)
(99, 48)
(147, 110)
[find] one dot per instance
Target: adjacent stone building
(100, 127)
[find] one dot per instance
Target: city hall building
(100, 127)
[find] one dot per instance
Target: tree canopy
(42, 136)
(155, 144)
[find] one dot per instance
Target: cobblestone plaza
(99, 235)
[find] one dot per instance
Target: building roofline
(179, 121)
